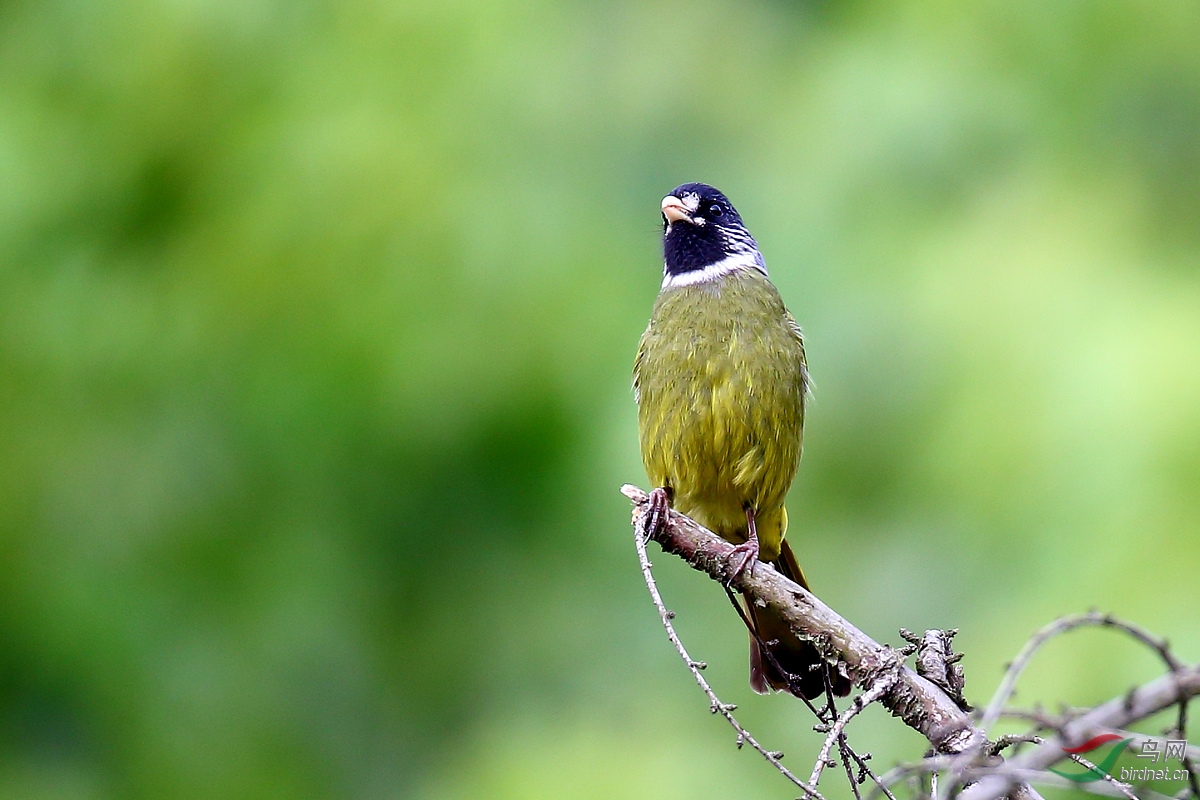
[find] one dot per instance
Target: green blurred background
(315, 345)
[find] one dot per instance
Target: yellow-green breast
(721, 381)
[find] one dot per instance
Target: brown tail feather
(788, 566)
(795, 656)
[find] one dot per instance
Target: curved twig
(1141, 702)
(862, 701)
(1060, 626)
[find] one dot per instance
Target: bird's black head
(701, 228)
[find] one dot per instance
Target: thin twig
(1181, 732)
(1031, 777)
(846, 752)
(1056, 628)
(1060, 626)
(1007, 741)
(1040, 719)
(724, 709)
(1045, 722)
(1141, 702)
(863, 769)
(1123, 788)
(902, 771)
(934, 764)
(843, 746)
(877, 691)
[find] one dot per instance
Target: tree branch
(921, 705)
(1139, 703)
(936, 708)
(715, 704)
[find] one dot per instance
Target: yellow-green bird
(721, 381)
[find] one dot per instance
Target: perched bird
(720, 380)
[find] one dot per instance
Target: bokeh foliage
(314, 373)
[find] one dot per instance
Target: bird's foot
(746, 553)
(658, 509)
(744, 556)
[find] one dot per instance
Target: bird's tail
(797, 657)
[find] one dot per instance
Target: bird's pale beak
(674, 209)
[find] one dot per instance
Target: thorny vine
(962, 761)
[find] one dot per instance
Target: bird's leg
(747, 551)
(658, 509)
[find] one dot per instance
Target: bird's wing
(794, 327)
(637, 367)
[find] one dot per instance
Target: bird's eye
(715, 210)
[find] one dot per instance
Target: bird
(721, 382)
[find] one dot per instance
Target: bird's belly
(721, 447)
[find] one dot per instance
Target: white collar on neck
(727, 265)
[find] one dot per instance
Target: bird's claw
(744, 555)
(658, 507)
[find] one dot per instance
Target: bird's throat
(712, 272)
